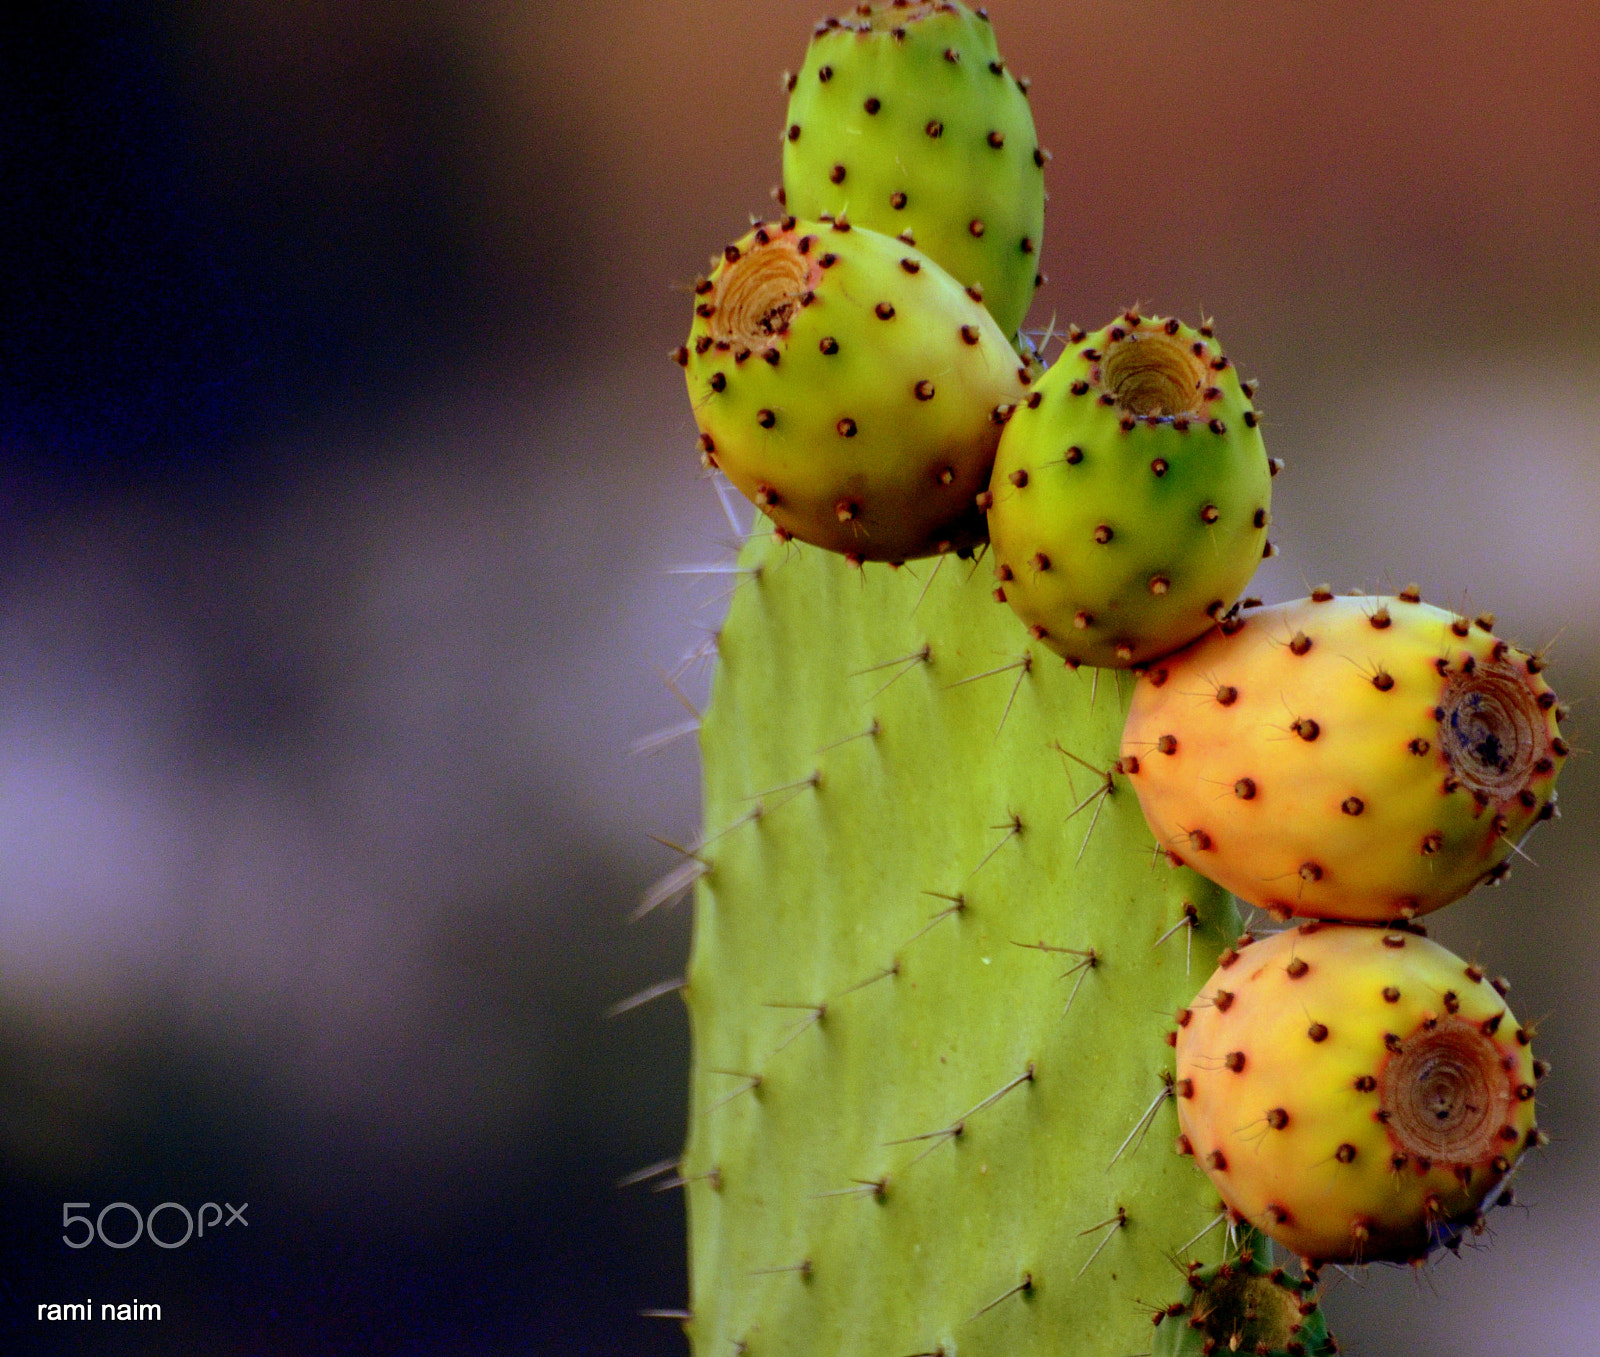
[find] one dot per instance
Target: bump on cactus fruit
(1131, 494)
(905, 117)
(930, 1107)
(849, 388)
(1356, 1093)
(1243, 1306)
(1346, 757)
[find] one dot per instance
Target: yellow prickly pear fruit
(850, 388)
(1354, 1092)
(1364, 758)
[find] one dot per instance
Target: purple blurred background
(341, 470)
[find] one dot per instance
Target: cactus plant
(930, 1103)
(932, 937)
(905, 117)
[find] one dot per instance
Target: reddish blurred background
(341, 467)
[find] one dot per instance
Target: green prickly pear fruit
(1131, 493)
(1243, 1306)
(1346, 758)
(850, 388)
(905, 117)
(1356, 1093)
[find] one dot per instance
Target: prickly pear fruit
(905, 117)
(1243, 1306)
(1131, 493)
(850, 388)
(1346, 758)
(1354, 1092)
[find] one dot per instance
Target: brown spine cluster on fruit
(1491, 729)
(758, 291)
(1445, 1096)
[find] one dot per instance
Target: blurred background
(341, 472)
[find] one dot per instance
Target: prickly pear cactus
(931, 970)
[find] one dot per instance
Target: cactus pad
(929, 1108)
(905, 118)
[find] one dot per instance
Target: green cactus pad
(905, 117)
(933, 962)
(1131, 493)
